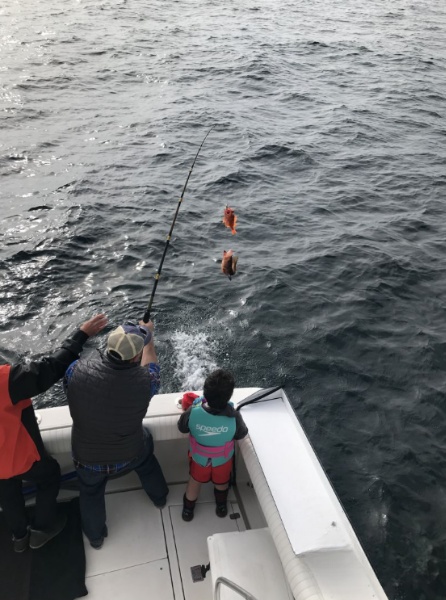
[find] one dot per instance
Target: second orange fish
(229, 263)
(230, 219)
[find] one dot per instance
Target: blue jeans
(92, 489)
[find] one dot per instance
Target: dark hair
(218, 388)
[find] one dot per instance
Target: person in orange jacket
(22, 453)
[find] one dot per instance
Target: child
(213, 424)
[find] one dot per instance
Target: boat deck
(151, 551)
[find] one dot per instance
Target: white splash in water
(193, 358)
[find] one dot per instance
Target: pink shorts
(218, 475)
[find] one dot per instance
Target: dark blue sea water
(330, 144)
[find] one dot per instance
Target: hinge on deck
(199, 572)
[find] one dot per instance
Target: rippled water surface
(329, 142)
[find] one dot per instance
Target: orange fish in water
(230, 219)
(229, 263)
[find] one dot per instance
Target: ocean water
(329, 141)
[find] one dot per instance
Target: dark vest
(108, 402)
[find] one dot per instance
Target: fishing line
(146, 316)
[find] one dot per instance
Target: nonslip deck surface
(149, 552)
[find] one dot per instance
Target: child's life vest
(211, 436)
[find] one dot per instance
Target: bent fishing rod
(146, 316)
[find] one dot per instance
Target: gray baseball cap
(127, 341)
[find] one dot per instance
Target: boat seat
(248, 559)
(58, 440)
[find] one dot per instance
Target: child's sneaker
(221, 500)
(221, 510)
(188, 509)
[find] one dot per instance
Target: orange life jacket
(18, 452)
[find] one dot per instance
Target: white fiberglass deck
(149, 552)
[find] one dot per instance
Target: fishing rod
(146, 316)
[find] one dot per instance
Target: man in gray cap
(108, 398)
